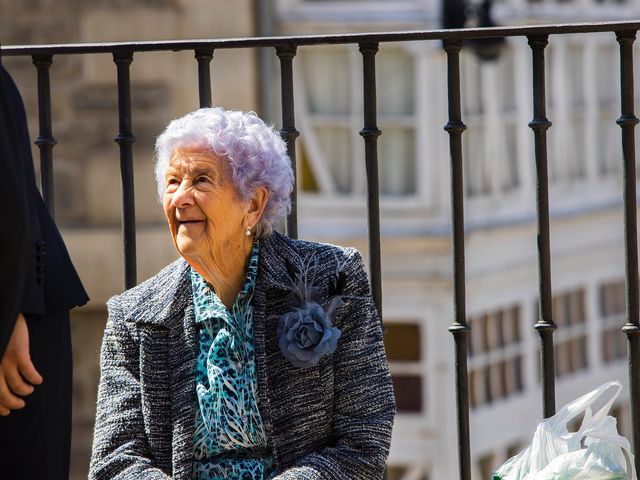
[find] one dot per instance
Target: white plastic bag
(595, 452)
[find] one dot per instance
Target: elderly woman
(255, 356)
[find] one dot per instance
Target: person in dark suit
(40, 286)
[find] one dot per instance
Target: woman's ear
(257, 204)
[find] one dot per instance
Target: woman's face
(202, 207)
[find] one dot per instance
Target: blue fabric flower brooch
(306, 333)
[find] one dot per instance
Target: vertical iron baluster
(627, 122)
(545, 326)
(125, 140)
(460, 328)
(370, 134)
(204, 56)
(289, 133)
(45, 140)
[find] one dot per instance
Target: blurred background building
(585, 190)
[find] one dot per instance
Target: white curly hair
(254, 153)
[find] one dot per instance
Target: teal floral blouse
(230, 440)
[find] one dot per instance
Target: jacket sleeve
(120, 448)
(13, 247)
(364, 401)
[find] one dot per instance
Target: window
(331, 149)
(575, 128)
(402, 342)
(612, 313)
(406, 472)
(403, 347)
(489, 111)
(567, 110)
(570, 346)
(486, 465)
(609, 143)
(408, 392)
(515, 448)
(495, 363)
(621, 414)
(396, 472)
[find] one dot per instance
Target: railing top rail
(330, 39)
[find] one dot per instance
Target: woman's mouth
(188, 221)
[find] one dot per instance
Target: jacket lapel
(182, 362)
(279, 263)
(168, 345)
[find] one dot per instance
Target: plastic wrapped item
(595, 452)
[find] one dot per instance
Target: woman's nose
(183, 196)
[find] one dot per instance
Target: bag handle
(583, 404)
(590, 428)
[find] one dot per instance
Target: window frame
(352, 122)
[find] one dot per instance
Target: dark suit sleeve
(13, 196)
(37, 276)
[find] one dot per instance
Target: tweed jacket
(331, 421)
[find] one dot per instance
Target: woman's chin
(187, 247)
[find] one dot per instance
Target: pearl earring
(247, 232)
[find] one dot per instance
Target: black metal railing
(285, 48)
(540, 124)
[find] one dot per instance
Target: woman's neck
(225, 269)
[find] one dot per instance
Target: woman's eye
(172, 183)
(201, 180)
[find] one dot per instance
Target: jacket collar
(168, 300)
(280, 262)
